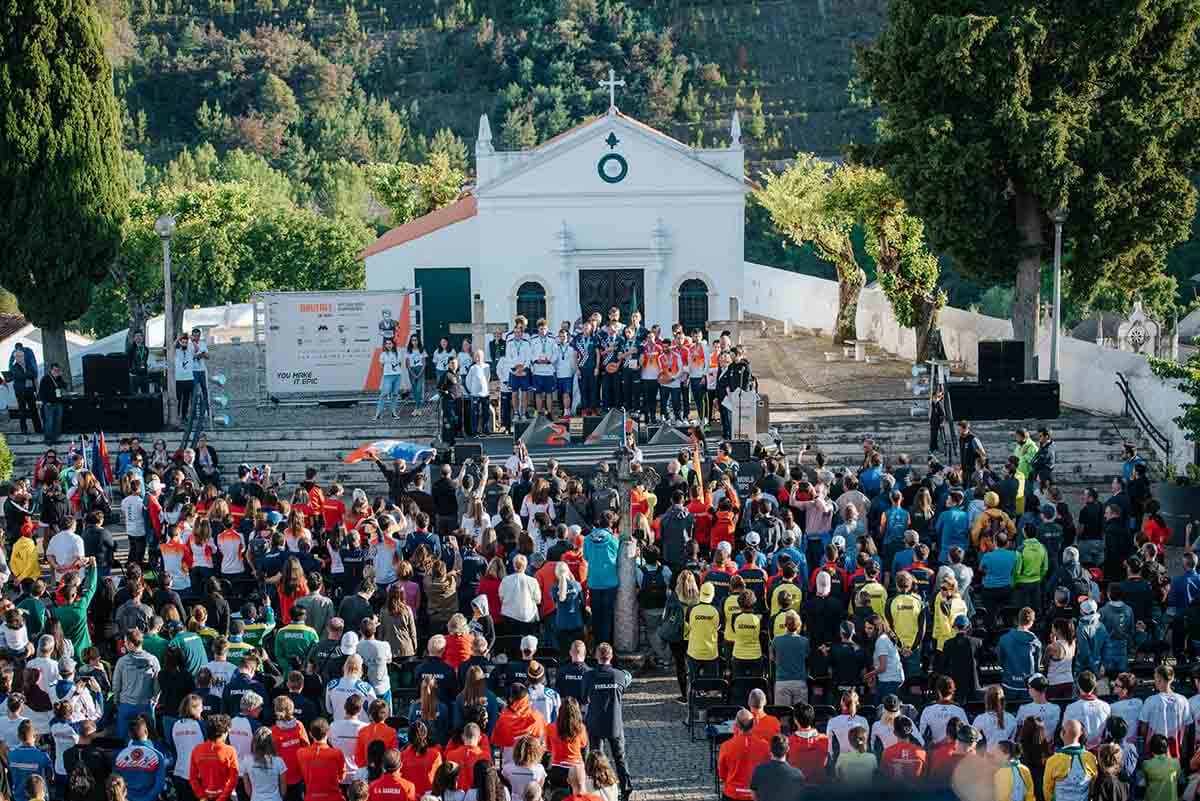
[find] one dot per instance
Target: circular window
(613, 168)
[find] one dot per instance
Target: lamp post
(165, 228)
(1059, 216)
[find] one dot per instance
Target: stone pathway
(663, 762)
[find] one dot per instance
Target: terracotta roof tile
(462, 209)
(11, 324)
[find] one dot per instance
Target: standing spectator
(51, 392)
(140, 764)
(604, 689)
(22, 365)
(970, 449)
(738, 758)
(213, 771)
(790, 652)
(1166, 712)
(1070, 771)
(392, 786)
(520, 597)
(600, 551)
(775, 779)
(135, 682)
(1020, 653)
(290, 739)
(1013, 781)
(322, 767)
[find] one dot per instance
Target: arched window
(693, 305)
(531, 302)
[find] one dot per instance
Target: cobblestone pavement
(663, 762)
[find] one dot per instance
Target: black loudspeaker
(1038, 400)
(106, 374)
(1001, 360)
(467, 450)
(743, 450)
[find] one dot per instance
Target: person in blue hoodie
(1020, 654)
(27, 760)
(600, 551)
(141, 765)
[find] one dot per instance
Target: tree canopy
(62, 179)
(995, 113)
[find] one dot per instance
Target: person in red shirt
(421, 759)
(458, 642)
(950, 752)
(567, 738)
(466, 755)
(808, 749)
(392, 786)
(213, 773)
(738, 758)
(517, 720)
(904, 761)
(377, 729)
(322, 766)
(290, 737)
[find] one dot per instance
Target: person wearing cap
(823, 611)
(738, 758)
(1091, 638)
(960, 659)
(943, 765)
(1070, 770)
(542, 698)
(702, 627)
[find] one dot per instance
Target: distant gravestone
(1139, 334)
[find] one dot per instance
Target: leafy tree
(800, 201)
(62, 176)
(445, 141)
(517, 132)
(996, 113)
(411, 190)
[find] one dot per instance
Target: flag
(83, 449)
(104, 462)
(97, 462)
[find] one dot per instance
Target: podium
(743, 406)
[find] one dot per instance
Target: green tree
(800, 202)
(996, 113)
(411, 190)
(62, 175)
(451, 144)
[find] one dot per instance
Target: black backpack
(653, 594)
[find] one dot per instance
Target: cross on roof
(611, 85)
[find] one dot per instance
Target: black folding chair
(701, 693)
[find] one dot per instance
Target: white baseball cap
(753, 539)
(529, 643)
(349, 643)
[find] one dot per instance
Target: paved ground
(664, 764)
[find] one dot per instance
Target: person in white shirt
(414, 363)
(220, 667)
(441, 358)
(135, 522)
(478, 393)
(1038, 706)
(393, 365)
(995, 724)
(838, 728)
(565, 366)
(186, 735)
(198, 351)
(935, 716)
(1166, 713)
(343, 735)
(242, 728)
(183, 374)
(65, 553)
(351, 682)
(518, 349)
(520, 597)
(518, 461)
(1128, 708)
(12, 721)
(1090, 711)
(541, 349)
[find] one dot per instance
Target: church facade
(609, 213)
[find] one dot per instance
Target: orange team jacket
(323, 767)
(639, 503)
(419, 769)
(650, 354)
(289, 740)
(214, 771)
(334, 512)
(466, 756)
(369, 733)
(722, 529)
(903, 762)
(696, 360)
(229, 541)
(546, 581)
(740, 755)
(670, 362)
(392, 787)
(177, 557)
(765, 726)
(516, 721)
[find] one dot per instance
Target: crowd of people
(587, 367)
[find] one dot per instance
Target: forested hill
(306, 81)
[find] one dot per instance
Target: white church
(609, 213)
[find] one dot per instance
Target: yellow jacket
(24, 561)
(1003, 782)
(943, 620)
(1059, 765)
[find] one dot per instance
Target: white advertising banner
(328, 343)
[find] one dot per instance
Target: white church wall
(455, 245)
(1087, 371)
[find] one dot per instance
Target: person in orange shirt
(213, 773)
(421, 759)
(765, 726)
(377, 729)
(467, 754)
(546, 579)
(738, 758)
(567, 738)
(458, 641)
(290, 736)
(903, 761)
(517, 720)
(392, 786)
(322, 766)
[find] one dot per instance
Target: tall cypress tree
(62, 189)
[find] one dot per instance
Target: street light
(164, 226)
(1059, 216)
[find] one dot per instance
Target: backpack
(81, 783)
(993, 528)
(653, 594)
(1075, 785)
(671, 627)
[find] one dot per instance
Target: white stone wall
(1087, 372)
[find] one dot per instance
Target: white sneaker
(395, 415)
(376, 417)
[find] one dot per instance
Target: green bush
(6, 460)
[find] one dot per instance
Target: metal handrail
(1134, 409)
